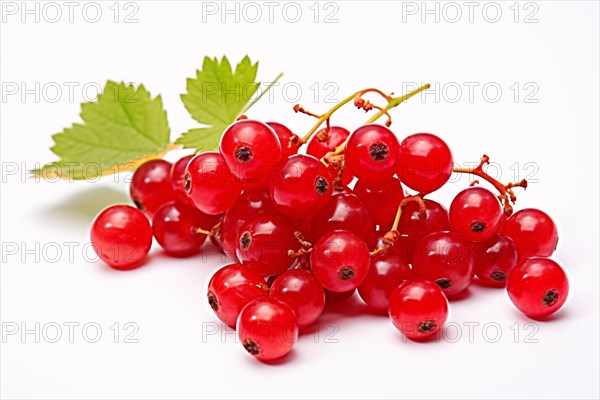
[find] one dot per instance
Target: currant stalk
(392, 102)
(359, 102)
(393, 235)
(325, 117)
(507, 196)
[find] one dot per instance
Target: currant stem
(417, 198)
(200, 231)
(326, 116)
(303, 242)
(358, 101)
(305, 247)
(373, 90)
(323, 134)
(337, 183)
(392, 235)
(299, 109)
(340, 149)
(263, 286)
(507, 195)
(392, 102)
(332, 159)
(395, 101)
(299, 253)
(214, 231)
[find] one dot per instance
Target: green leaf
(216, 98)
(125, 124)
(206, 138)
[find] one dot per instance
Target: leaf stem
(251, 103)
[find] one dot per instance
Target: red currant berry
(475, 214)
(267, 328)
(386, 273)
(444, 258)
(248, 204)
(151, 186)
(494, 259)
(301, 186)
(178, 179)
(424, 162)
(302, 292)
(340, 261)
(231, 288)
(251, 150)
(264, 242)
(284, 134)
(121, 236)
(371, 153)
(383, 201)
(335, 137)
(345, 211)
(415, 225)
(418, 308)
(175, 227)
(533, 232)
(210, 185)
(538, 287)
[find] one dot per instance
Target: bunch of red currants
(303, 229)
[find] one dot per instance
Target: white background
(359, 355)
